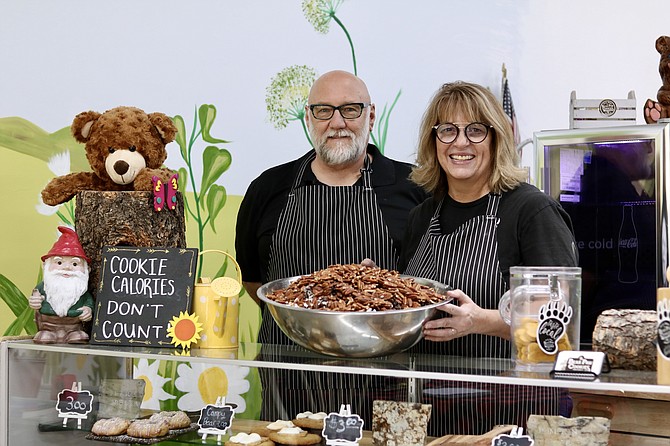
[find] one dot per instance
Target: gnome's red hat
(67, 245)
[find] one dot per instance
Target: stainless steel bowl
(351, 334)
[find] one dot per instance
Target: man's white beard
(63, 292)
(346, 150)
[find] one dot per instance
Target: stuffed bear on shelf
(653, 111)
(125, 148)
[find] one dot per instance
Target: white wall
(58, 58)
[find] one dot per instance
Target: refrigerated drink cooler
(613, 183)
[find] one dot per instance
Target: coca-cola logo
(628, 242)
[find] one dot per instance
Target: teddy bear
(653, 111)
(125, 148)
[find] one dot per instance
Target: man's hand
(35, 300)
(85, 314)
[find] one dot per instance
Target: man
(62, 301)
(340, 203)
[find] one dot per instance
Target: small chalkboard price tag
(140, 291)
(74, 403)
(343, 428)
(514, 438)
(215, 419)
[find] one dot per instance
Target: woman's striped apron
(467, 259)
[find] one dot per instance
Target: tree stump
(125, 219)
(628, 337)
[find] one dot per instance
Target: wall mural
(176, 385)
(421, 47)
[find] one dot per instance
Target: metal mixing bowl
(351, 334)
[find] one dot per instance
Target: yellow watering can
(216, 303)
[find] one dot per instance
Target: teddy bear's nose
(121, 167)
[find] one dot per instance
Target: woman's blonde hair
(476, 104)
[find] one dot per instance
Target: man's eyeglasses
(475, 132)
(324, 112)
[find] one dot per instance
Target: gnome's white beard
(63, 292)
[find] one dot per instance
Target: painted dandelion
(319, 13)
(287, 96)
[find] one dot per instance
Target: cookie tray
(174, 433)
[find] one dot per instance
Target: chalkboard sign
(217, 418)
(140, 291)
(74, 403)
(511, 440)
(342, 427)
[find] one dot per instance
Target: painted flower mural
(59, 164)
(286, 96)
(288, 90)
(208, 198)
(319, 13)
(154, 382)
(202, 384)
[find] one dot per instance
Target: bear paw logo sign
(554, 318)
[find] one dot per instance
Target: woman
(482, 219)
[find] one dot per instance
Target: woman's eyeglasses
(475, 132)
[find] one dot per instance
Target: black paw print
(554, 318)
(663, 339)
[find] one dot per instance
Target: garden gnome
(62, 302)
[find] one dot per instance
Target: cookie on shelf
(309, 420)
(275, 426)
(148, 428)
(110, 426)
(175, 419)
(294, 436)
(244, 439)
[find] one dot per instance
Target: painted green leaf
(13, 297)
(207, 115)
(25, 321)
(222, 270)
(215, 161)
(181, 136)
(182, 181)
(18, 304)
(216, 200)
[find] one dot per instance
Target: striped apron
(467, 259)
(321, 226)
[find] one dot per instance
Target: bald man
(341, 202)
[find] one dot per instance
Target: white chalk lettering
(130, 331)
(142, 286)
(128, 308)
(140, 267)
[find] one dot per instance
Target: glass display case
(613, 181)
(29, 380)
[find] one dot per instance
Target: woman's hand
(464, 319)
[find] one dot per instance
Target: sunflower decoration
(184, 330)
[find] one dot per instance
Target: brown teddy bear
(126, 148)
(653, 111)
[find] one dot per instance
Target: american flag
(508, 106)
